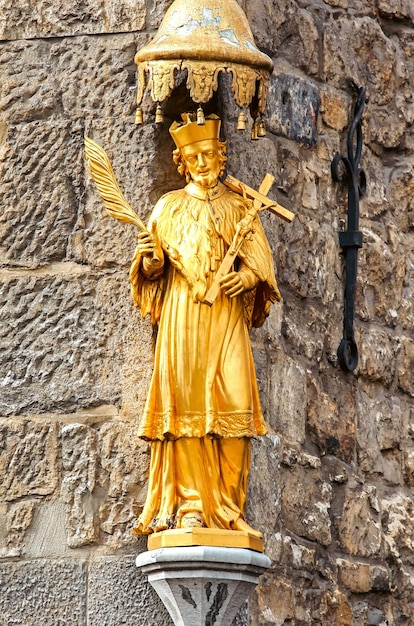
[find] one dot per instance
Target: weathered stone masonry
(332, 487)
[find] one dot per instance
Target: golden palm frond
(102, 173)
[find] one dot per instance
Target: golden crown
(189, 131)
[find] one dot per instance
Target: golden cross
(260, 202)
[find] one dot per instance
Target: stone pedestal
(203, 585)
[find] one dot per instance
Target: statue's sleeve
(148, 292)
(257, 255)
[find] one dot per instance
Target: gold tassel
(139, 118)
(159, 116)
(241, 121)
(200, 116)
(261, 132)
(254, 131)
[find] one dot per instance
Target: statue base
(203, 584)
(205, 537)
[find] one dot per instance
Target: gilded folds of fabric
(204, 381)
(205, 477)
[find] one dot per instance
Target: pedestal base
(205, 537)
(203, 585)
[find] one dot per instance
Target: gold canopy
(205, 37)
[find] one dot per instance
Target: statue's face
(202, 160)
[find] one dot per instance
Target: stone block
(79, 461)
(69, 341)
(119, 594)
(388, 422)
(306, 328)
(287, 397)
(157, 10)
(97, 81)
(103, 484)
(335, 108)
(378, 431)
(407, 304)
(28, 459)
(72, 79)
(336, 609)
(385, 131)
(310, 251)
(39, 211)
(297, 555)
(398, 526)
(360, 522)
(51, 94)
(385, 416)
(377, 354)
(20, 20)
(331, 430)
(246, 157)
(376, 617)
(306, 500)
(288, 172)
(18, 518)
(124, 459)
(381, 274)
(283, 25)
(404, 582)
(366, 615)
(263, 499)
(362, 577)
(271, 330)
(368, 8)
(398, 9)
(116, 519)
(408, 460)
(293, 109)
(405, 366)
(357, 49)
(275, 599)
(46, 537)
(123, 471)
(355, 576)
(376, 201)
(4, 530)
(50, 592)
(401, 188)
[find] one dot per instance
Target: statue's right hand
(149, 245)
(146, 244)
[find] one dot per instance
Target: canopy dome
(204, 37)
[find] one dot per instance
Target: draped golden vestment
(203, 404)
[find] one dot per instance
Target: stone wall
(332, 485)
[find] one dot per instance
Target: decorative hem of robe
(232, 424)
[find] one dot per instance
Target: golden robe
(203, 387)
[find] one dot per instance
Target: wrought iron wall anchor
(351, 239)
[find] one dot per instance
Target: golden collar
(201, 193)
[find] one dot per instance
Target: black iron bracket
(346, 169)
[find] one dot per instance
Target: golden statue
(203, 405)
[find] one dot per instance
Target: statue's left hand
(235, 283)
(232, 284)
